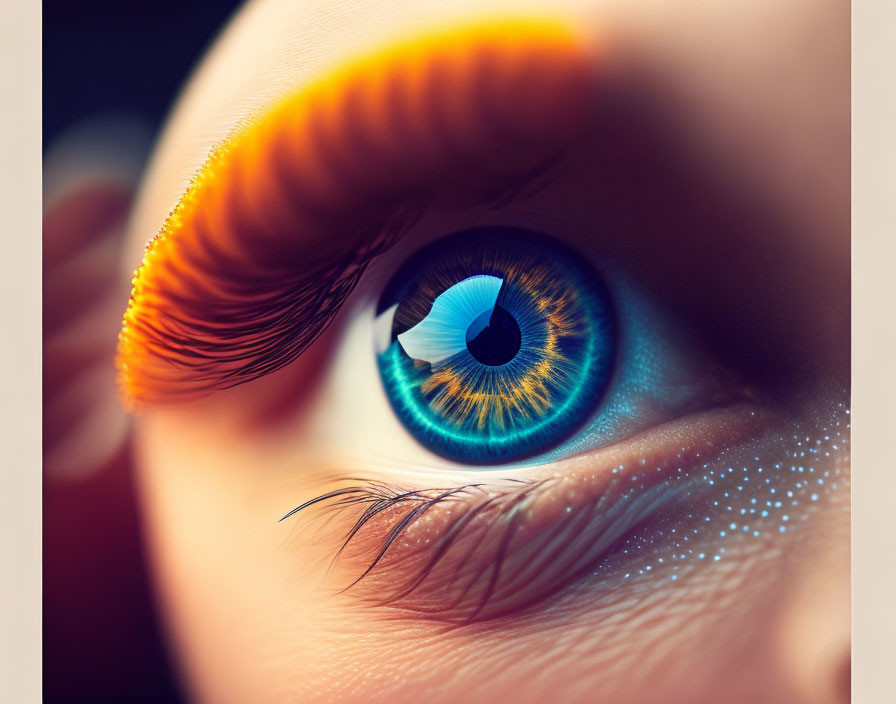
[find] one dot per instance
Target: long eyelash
(314, 298)
(377, 498)
(243, 278)
(604, 519)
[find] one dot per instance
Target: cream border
(874, 349)
(20, 352)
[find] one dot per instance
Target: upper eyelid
(220, 285)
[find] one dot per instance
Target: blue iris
(496, 344)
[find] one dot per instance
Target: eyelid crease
(279, 224)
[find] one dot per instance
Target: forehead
(757, 65)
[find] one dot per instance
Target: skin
(756, 95)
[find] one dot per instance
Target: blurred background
(111, 72)
(100, 56)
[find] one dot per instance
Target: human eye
(507, 345)
(581, 409)
(623, 441)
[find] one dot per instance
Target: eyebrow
(278, 226)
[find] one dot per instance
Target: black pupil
(494, 337)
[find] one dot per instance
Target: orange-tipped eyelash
(281, 221)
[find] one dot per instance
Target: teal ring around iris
(495, 344)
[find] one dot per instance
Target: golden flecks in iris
(484, 399)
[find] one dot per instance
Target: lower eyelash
(476, 562)
(485, 549)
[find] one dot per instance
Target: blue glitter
(762, 522)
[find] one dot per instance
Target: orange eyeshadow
(279, 224)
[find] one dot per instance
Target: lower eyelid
(489, 545)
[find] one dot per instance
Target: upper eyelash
(505, 504)
(223, 295)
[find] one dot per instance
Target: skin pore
(720, 149)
